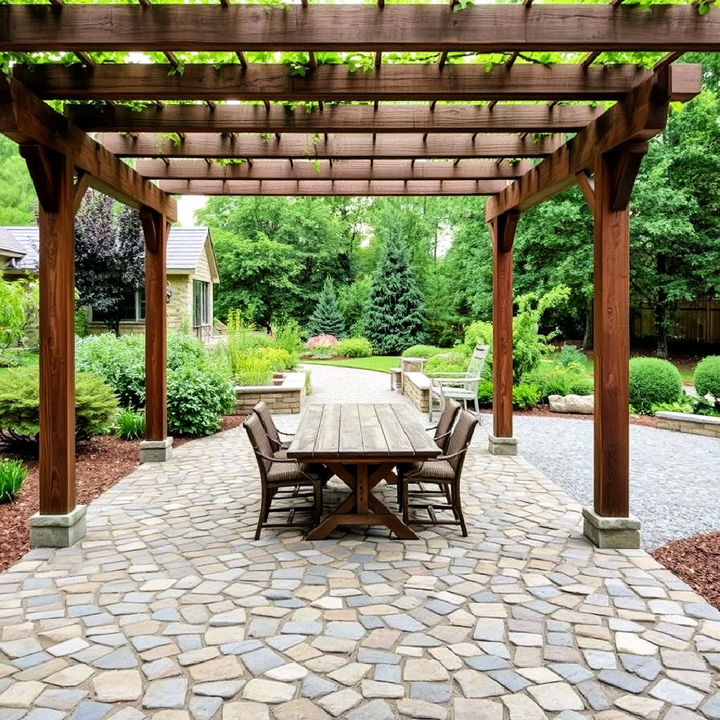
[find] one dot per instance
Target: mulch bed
(696, 560)
(544, 411)
(100, 463)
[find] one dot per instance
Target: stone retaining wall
(284, 399)
(416, 386)
(687, 423)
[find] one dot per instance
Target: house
(191, 274)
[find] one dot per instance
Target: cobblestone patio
(168, 610)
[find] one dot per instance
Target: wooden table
(361, 444)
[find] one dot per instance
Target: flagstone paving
(169, 610)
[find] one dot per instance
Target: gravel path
(675, 478)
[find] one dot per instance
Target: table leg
(368, 509)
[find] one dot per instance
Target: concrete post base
(156, 450)
(502, 445)
(58, 531)
(619, 533)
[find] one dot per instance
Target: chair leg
(318, 491)
(264, 512)
(457, 508)
(398, 489)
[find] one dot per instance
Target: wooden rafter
(637, 118)
(26, 119)
(334, 119)
(198, 145)
(482, 28)
(334, 82)
(331, 187)
(328, 170)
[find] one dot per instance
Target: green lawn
(380, 363)
(29, 358)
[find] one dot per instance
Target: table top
(362, 432)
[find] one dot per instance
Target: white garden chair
(460, 386)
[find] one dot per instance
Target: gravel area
(674, 477)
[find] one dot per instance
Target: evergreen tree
(395, 316)
(327, 317)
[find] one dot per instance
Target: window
(132, 308)
(201, 303)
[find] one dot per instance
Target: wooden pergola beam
(482, 28)
(637, 118)
(198, 145)
(334, 82)
(333, 119)
(339, 170)
(27, 120)
(331, 187)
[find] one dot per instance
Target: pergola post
(502, 229)
(609, 524)
(157, 446)
(59, 523)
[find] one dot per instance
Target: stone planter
(285, 398)
(688, 423)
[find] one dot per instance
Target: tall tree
(18, 202)
(327, 317)
(109, 267)
(394, 318)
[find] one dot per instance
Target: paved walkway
(169, 610)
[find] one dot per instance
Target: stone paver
(169, 610)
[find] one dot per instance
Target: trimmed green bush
(277, 358)
(357, 347)
(96, 407)
(423, 351)
(12, 476)
(197, 401)
(653, 381)
(130, 425)
(478, 333)
(525, 396)
(707, 377)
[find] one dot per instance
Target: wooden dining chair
(282, 478)
(438, 478)
(262, 410)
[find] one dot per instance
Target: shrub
(354, 348)
(570, 356)
(12, 476)
(478, 333)
(120, 361)
(653, 381)
(525, 396)
(581, 386)
(197, 401)
(423, 351)
(707, 377)
(446, 362)
(287, 337)
(11, 358)
(276, 358)
(250, 368)
(130, 425)
(485, 393)
(322, 346)
(95, 408)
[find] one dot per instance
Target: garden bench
(407, 364)
(417, 386)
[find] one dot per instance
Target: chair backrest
(260, 443)
(460, 439)
(266, 420)
(445, 423)
(477, 361)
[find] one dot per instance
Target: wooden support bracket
(46, 168)
(587, 185)
(625, 166)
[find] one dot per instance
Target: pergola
(442, 99)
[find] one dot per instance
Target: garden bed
(708, 425)
(100, 463)
(696, 560)
(285, 398)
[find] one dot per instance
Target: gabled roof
(185, 248)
